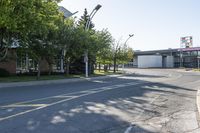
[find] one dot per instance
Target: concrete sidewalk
(58, 81)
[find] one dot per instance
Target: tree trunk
(3, 48)
(91, 68)
(67, 66)
(1, 38)
(50, 69)
(38, 73)
(95, 66)
(115, 62)
(105, 68)
(99, 67)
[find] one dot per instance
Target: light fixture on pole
(130, 35)
(87, 26)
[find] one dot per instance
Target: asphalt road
(146, 100)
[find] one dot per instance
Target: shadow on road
(111, 111)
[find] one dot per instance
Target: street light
(130, 35)
(87, 26)
(94, 11)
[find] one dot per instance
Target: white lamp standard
(130, 35)
(87, 26)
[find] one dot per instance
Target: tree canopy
(42, 31)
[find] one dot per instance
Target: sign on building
(186, 42)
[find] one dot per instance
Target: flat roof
(66, 12)
(165, 51)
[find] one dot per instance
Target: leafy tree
(121, 53)
(14, 21)
(19, 18)
(83, 20)
(115, 53)
(40, 42)
(84, 41)
(104, 48)
(66, 39)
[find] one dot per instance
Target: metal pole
(86, 67)
(27, 63)
(130, 35)
(182, 59)
(86, 63)
(62, 62)
(87, 26)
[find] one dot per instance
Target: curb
(47, 82)
(198, 101)
(198, 107)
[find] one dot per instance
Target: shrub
(4, 73)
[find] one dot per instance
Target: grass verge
(23, 78)
(102, 73)
(196, 70)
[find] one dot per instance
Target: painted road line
(122, 85)
(61, 101)
(69, 95)
(73, 94)
(62, 96)
(46, 98)
(128, 129)
(24, 105)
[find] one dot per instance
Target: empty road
(143, 101)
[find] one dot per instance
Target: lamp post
(87, 26)
(130, 35)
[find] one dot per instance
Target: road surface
(144, 101)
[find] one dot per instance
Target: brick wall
(10, 66)
(44, 66)
(9, 63)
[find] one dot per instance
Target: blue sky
(157, 24)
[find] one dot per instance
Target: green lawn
(33, 78)
(196, 70)
(23, 78)
(101, 72)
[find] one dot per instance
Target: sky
(156, 24)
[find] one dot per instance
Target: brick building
(9, 63)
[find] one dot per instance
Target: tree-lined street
(40, 33)
(143, 101)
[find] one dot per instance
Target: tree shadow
(110, 111)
